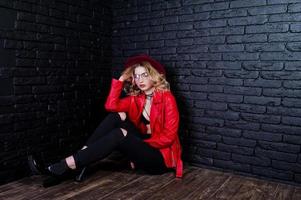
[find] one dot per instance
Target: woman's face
(143, 80)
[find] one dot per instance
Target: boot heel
(82, 175)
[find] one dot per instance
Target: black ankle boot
(36, 166)
(81, 175)
(59, 169)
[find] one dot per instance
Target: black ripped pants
(108, 137)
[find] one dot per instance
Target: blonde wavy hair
(159, 80)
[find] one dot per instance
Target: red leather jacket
(164, 121)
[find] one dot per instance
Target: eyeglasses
(143, 75)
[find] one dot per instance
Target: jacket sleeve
(113, 102)
(170, 125)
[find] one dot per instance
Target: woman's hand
(124, 77)
(149, 131)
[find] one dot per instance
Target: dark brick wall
(55, 61)
(235, 67)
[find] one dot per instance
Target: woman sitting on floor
(143, 125)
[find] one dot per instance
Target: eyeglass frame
(143, 75)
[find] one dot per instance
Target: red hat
(143, 57)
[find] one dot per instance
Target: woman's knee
(124, 132)
(122, 115)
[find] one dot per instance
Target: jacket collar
(157, 98)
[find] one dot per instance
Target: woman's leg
(110, 122)
(98, 150)
(142, 155)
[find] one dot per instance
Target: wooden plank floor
(198, 183)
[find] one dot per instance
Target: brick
(292, 17)
(196, 2)
(266, 10)
(179, 11)
(261, 19)
(267, 119)
(192, 33)
(262, 100)
(246, 3)
(287, 37)
(206, 88)
(7, 18)
(206, 73)
(262, 83)
(29, 81)
(192, 79)
(292, 66)
(179, 42)
(193, 49)
(211, 7)
(262, 135)
(214, 154)
(239, 141)
(6, 100)
(206, 56)
(209, 40)
(228, 13)
(224, 131)
(241, 74)
(165, 20)
(265, 47)
(226, 98)
(7, 58)
(225, 81)
(208, 137)
(276, 155)
(283, 75)
(292, 139)
(178, 26)
(295, 27)
(257, 161)
(194, 17)
(268, 28)
(226, 31)
(238, 149)
(226, 48)
(281, 92)
(292, 84)
(13, 44)
(160, 36)
(6, 119)
(294, 46)
(240, 124)
(294, 121)
(284, 111)
(224, 65)
(211, 23)
(211, 105)
(283, 147)
(266, 66)
(242, 90)
(282, 1)
(232, 165)
(294, 7)
(208, 121)
(249, 38)
(291, 130)
(286, 166)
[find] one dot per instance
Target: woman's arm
(170, 126)
(113, 102)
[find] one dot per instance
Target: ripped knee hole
(122, 115)
(124, 132)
